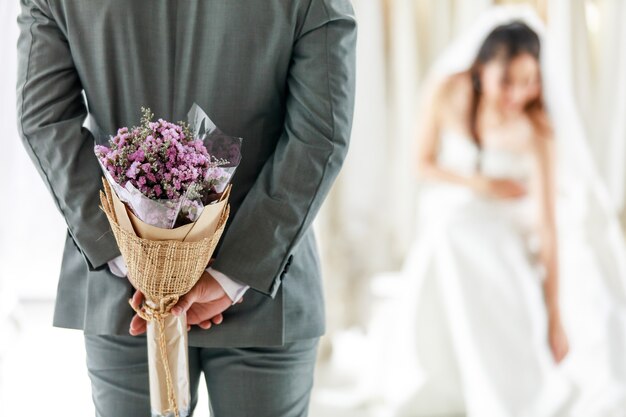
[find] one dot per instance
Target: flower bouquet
(166, 190)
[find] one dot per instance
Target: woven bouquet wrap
(165, 264)
(165, 193)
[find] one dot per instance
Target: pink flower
(138, 155)
(163, 160)
(132, 171)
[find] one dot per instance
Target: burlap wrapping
(163, 270)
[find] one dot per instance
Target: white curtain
(609, 124)
(352, 224)
(8, 298)
(32, 230)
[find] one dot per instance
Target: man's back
(231, 57)
(278, 73)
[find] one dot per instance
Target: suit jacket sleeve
(287, 194)
(50, 113)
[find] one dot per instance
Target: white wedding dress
(479, 320)
(471, 328)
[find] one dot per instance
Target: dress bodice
(458, 153)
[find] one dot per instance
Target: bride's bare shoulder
(452, 93)
(539, 126)
(456, 87)
(542, 126)
(540, 131)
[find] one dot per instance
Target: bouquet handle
(157, 316)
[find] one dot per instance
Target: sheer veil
(592, 252)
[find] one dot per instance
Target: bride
(489, 329)
(495, 113)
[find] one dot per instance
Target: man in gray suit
(278, 73)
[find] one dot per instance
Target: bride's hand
(499, 188)
(559, 345)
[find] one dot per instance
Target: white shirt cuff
(235, 290)
(118, 267)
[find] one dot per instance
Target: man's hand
(203, 305)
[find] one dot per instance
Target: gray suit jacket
(278, 73)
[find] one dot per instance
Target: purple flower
(163, 160)
(132, 171)
(138, 155)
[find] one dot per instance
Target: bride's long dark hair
(505, 42)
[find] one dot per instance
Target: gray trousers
(259, 382)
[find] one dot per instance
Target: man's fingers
(137, 325)
(137, 299)
(184, 303)
(202, 312)
(218, 319)
(205, 324)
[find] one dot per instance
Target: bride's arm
(428, 133)
(544, 150)
(547, 221)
